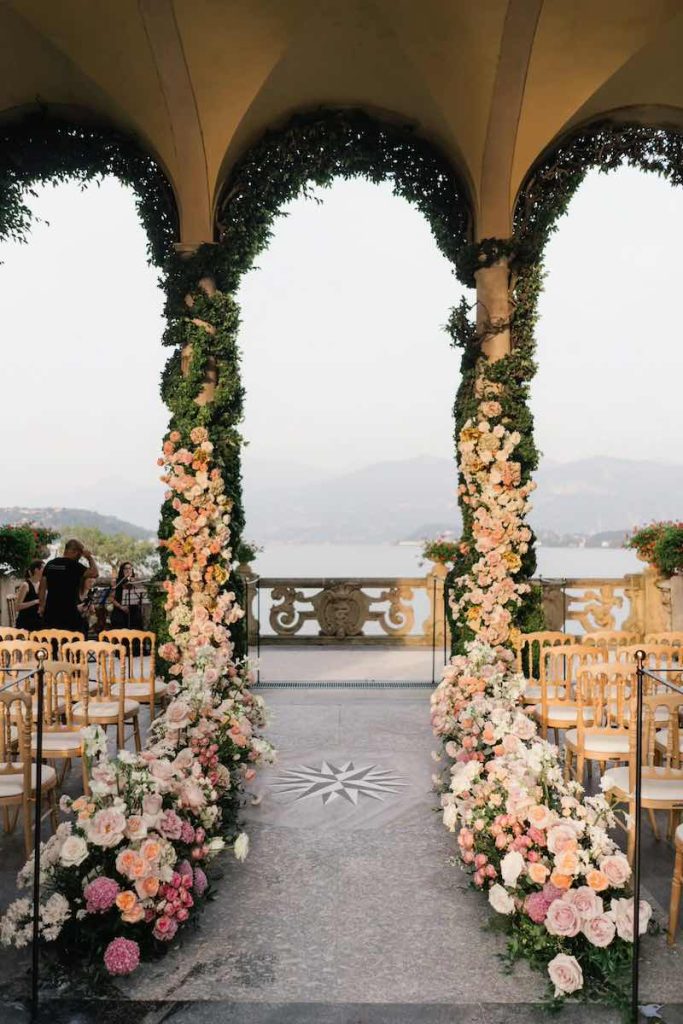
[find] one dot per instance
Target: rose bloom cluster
(485, 598)
(130, 864)
(539, 847)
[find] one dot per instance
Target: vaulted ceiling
(492, 82)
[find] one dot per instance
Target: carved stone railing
(401, 612)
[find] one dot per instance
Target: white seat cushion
(653, 788)
(13, 785)
(563, 713)
(58, 741)
(532, 691)
(140, 690)
(105, 709)
(601, 743)
(662, 738)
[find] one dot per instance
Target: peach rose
(561, 837)
(560, 881)
(126, 900)
(597, 880)
(540, 816)
(567, 862)
(150, 849)
(538, 873)
(134, 915)
(148, 887)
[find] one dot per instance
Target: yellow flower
(513, 561)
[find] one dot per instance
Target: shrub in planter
(660, 544)
(20, 544)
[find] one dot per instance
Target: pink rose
(621, 912)
(106, 828)
(565, 974)
(563, 919)
(178, 714)
(586, 901)
(192, 795)
(165, 928)
(617, 870)
(599, 930)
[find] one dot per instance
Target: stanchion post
(640, 677)
(258, 630)
(445, 620)
(433, 630)
(40, 656)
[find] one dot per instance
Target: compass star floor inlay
(338, 782)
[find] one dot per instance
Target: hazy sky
(345, 359)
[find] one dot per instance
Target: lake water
(403, 560)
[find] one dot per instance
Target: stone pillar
(435, 586)
(493, 309)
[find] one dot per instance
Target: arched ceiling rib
(492, 82)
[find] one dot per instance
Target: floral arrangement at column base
(128, 872)
(532, 841)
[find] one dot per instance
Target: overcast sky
(345, 359)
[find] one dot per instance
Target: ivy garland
(543, 199)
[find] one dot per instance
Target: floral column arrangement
(532, 840)
(122, 877)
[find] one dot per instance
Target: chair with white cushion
(662, 784)
(141, 682)
(672, 638)
(529, 648)
(675, 902)
(18, 776)
(13, 633)
(108, 702)
(558, 708)
(62, 738)
(54, 640)
(610, 638)
(607, 689)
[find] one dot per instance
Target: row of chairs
(584, 690)
(86, 683)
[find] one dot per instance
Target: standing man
(60, 587)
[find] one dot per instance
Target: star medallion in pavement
(343, 782)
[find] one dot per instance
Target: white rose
(450, 817)
(565, 974)
(511, 868)
(501, 901)
(241, 847)
(621, 912)
(73, 852)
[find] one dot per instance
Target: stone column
(493, 309)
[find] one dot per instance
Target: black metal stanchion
(640, 677)
(41, 656)
(445, 625)
(258, 631)
(247, 581)
(434, 631)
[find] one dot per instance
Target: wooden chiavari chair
(610, 638)
(17, 771)
(13, 633)
(675, 902)
(662, 783)
(65, 685)
(108, 701)
(141, 682)
(54, 640)
(558, 709)
(529, 661)
(671, 639)
(607, 690)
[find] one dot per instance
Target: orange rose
(150, 849)
(560, 881)
(134, 915)
(126, 900)
(597, 880)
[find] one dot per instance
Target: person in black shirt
(60, 587)
(27, 598)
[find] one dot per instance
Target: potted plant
(661, 545)
(245, 553)
(441, 550)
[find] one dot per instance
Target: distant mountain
(57, 518)
(411, 498)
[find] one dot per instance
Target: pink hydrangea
(122, 956)
(100, 895)
(201, 882)
(187, 833)
(170, 826)
(184, 868)
(537, 904)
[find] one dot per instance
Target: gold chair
(662, 783)
(558, 708)
(141, 682)
(108, 702)
(65, 684)
(16, 654)
(17, 771)
(607, 689)
(675, 902)
(609, 637)
(13, 633)
(55, 639)
(529, 661)
(671, 639)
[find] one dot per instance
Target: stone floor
(347, 910)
